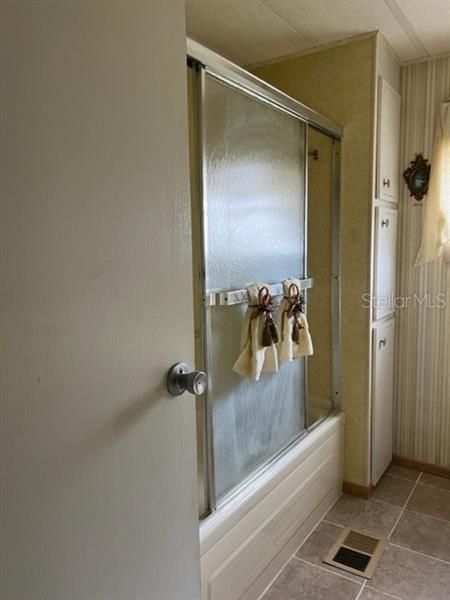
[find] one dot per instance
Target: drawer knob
(382, 343)
(385, 223)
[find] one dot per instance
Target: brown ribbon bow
(264, 310)
(294, 308)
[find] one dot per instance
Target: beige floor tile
(301, 581)
(393, 490)
(369, 516)
(403, 472)
(435, 481)
(319, 543)
(411, 576)
(423, 534)
(431, 501)
(371, 594)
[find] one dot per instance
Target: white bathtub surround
(246, 543)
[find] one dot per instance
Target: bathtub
(245, 543)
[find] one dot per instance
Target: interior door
(97, 461)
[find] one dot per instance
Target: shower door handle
(181, 379)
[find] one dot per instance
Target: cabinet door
(382, 398)
(385, 258)
(388, 142)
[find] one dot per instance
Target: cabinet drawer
(382, 398)
(388, 147)
(385, 258)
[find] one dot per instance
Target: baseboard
(417, 465)
(354, 489)
(363, 491)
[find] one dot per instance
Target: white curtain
(436, 228)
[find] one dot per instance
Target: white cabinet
(382, 398)
(385, 258)
(388, 147)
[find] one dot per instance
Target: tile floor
(409, 509)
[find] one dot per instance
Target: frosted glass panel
(255, 202)
(254, 187)
(252, 421)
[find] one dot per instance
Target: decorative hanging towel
(259, 335)
(295, 337)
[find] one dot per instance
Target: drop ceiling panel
(327, 21)
(251, 31)
(431, 20)
(246, 31)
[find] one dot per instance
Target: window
(436, 228)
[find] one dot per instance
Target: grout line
(323, 568)
(333, 523)
(404, 507)
(403, 478)
(385, 593)
(435, 487)
(416, 512)
(442, 560)
(361, 590)
(385, 502)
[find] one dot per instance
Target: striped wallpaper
(422, 410)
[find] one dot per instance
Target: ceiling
(252, 31)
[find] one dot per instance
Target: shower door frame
(207, 62)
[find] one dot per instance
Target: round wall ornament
(417, 176)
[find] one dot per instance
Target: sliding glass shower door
(254, 232)
(250, 179)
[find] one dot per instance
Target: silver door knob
(181, 379)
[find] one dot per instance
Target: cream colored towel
(255, 358)
(288, 315)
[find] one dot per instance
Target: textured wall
(338, 82)
(422, 411)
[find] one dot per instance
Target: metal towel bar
(240, 296)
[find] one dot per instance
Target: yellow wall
(338, 82)
(320, 194)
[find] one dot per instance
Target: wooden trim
(416, 465)
(363, 491)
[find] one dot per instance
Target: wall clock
(417, 176)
